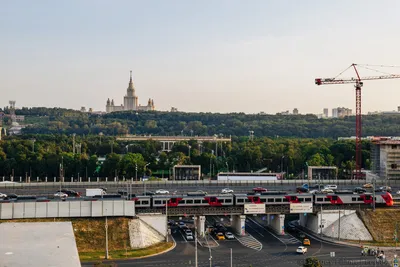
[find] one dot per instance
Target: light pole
(189, 152)
(166, 215)
(100, 134)
(195, 241)
(135, 171)
(106, 226)
(231, 259)
(282, 163)
(112, 143)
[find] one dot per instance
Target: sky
(198, 56)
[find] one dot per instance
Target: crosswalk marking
(250, 242)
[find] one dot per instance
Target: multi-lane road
(48, 189)
(260, 247)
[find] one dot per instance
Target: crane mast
(358, 84)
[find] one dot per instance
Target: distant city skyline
(198, 56)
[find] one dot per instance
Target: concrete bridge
(169, 141)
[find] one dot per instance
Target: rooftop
(41, 244)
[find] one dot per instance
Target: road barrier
(58, 209)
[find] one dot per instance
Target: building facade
(385, 158)
(326, 113)
(131, 101)
(341, 112)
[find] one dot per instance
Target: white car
(326, 191)
(331, 186)
(226, 191)
(301, 250)
(162, 191)
(3, 195)
(61, 195)
(229, 235)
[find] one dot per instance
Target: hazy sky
(197, 55)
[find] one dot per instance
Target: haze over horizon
(201, 56)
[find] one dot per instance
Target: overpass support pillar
(200, 225)
(239, 224)
(277, 223)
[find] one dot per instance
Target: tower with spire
(130, 101)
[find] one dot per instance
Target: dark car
(149, 193)
(359, 190)
(301, 190)
(259, 189)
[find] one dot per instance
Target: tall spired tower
(130, 100)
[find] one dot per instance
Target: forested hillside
(236, 124)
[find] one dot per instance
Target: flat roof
(38, 244)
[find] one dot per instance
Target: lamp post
(189, 152)
(166, 215)
(282, 163)
(195, 241)
(135, 171)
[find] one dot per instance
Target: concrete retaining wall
(142, 235)
(158, 222)
(66, 209)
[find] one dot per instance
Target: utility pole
(166, 215)
(195, 241)
(339, 226)
(373, 193)
(73, 143)
(135, 171)
(321, 223)
(231, 259)
(106, 226)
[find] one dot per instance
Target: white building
(130, 101)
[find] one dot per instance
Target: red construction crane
(358, 84)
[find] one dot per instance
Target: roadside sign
(254, 208)
(301, 207)
(332, 254)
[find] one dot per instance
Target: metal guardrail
(204, 183)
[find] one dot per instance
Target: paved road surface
(49, 189)
(276, 251)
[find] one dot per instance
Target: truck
(91, 192)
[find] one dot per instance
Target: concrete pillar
(97, 179)
(106, 179)
(278, 223)
(45, 179)
(89, 179)
(201, 225)
(29, 179)
(239, 224)
(12, 178)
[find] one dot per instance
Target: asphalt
(276, 251)
(48, 189)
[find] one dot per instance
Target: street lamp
(100, 134)
(282, 163)
(189, 152)
(135, 171)
(106, 226)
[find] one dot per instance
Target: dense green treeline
(44, 156)
(63, 121)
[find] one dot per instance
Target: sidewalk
(389, 251)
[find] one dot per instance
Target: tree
(312, 262)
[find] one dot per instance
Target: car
(314, 191)
(398, 192)
(291, 228)
(301, 250)
(61, 195)
(331, 186)
(226, 191)
(181, 224)
(12, 196)
(220, 236)
(359, 190)
(229, 235)
(3, 195)
(368, 185)
(149, 193)
(302, 235)
(385, 188)
(306, 242)
(189, 236)
(201, 192)
(301, 190)
(326, 191)
(188, 231)
(259, 189)
(162, 191)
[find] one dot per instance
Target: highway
(48, 189)
(260, 248)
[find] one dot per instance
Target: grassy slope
(381, 224)
(90, 232)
